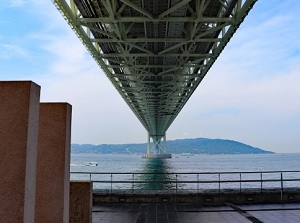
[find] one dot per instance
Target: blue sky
(251, 94)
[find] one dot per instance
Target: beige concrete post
(19, 114)
(81, 201)
(53, 165)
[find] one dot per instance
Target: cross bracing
(155, 52)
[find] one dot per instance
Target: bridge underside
(155, 52)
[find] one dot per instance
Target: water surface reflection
(157, 175)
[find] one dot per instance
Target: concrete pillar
(81, 201)
(53, 165)
(19, 114)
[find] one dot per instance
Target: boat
(187, 154)
(91, 164)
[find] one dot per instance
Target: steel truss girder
(119, 19)
(140, 55)
(156, 40)
(155, 56)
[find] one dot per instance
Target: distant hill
(195, 146)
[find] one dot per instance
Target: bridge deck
(190, 213)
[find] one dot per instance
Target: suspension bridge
(155, 52)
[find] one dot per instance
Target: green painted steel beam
(125, 54)
(146, 19)
(157, 40)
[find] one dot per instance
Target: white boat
(91, 164)
(187, 154)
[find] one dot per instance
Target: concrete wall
(237, 198)
(81, 201)
(53, 165)
(19, 114)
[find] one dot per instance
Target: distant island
(194, 146)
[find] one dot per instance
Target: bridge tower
(158, 148)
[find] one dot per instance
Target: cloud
(71, 75)
(17, 3)
(251, 93)
(228, 104)
(11, 50)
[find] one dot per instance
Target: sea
(187, 167)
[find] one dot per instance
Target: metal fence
(219, 182)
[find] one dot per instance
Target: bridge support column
(158, 149)
(148, 144)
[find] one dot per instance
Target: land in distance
(194, 146)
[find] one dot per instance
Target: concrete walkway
(192, 213)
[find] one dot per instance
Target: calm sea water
(116, 163)
(179, 163)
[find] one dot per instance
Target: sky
(251, 94)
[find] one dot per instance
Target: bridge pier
(158, 149)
